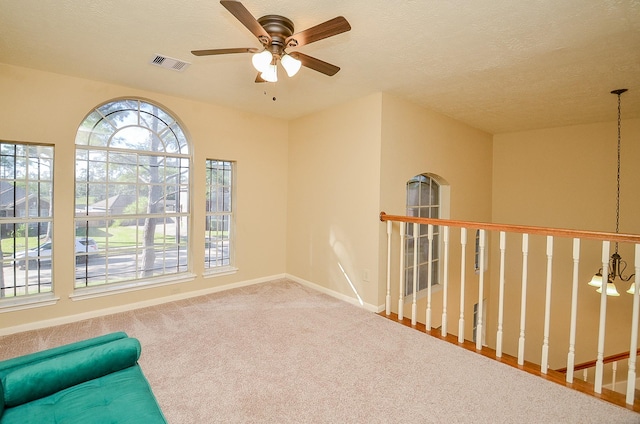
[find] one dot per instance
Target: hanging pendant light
(596, 281)
(611, 289)
(616, 265)
(632, 288)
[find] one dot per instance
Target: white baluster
(403, 226)
(547, 308)
(445, 236)
(584, 374)
(463, 251)
(501, 295)
(429, 276)
(614, 372)
(571, 356)
(603, 314)
(480, 293)
(633, 349)
(414, 307)
(388, 298)
(523, 297)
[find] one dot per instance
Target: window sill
(219, 272)
(129, 286)
(27, 302)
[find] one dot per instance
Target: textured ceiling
(498, 65)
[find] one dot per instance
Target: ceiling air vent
(169, 63)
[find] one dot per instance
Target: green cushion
(40, 379)
(123, 397)
(6, 365)
(1, 399)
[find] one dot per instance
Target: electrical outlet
(365, 275)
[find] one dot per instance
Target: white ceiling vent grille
(169, 63)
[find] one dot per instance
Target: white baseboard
(132, 306)
(369, 307)
(181, 296)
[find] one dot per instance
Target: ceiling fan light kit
(270, 74)
(290, 65)
(276, 33)
(262, 60)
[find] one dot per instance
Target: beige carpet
(282, 353)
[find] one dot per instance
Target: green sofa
(91, 381)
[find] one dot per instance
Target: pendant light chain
(618, 176)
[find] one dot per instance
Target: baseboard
(333, 293)
(181, 296)
(132, 306)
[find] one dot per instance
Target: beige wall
(323, 179)
(332, 215)
(47, 108)
(416, 141)
(348, 163)
(565, 178)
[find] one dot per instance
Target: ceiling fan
(275, 33)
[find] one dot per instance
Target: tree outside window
(131, 194)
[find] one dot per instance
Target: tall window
(132, 194)
(423, 200)
(219, 223)
(26, 223)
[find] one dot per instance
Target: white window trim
(106, 288)
(93, 292)
(20, 303)
(231, 268)
(445, 213)
(219, 272)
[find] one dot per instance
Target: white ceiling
(498, 65)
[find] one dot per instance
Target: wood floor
(554, 376)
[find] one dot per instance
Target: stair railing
(550, 233)
(611, 359)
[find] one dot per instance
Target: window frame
(25, 247)
(107, 139)
(441, 206)
(225, 263)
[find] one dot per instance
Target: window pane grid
(219, 214)
(132, 185)
(26, 224)
(423, 200)
(122, 251)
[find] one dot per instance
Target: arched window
(425, 197)
(131, 194)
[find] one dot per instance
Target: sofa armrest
(8, 364)
(1, 400)
(32, 381)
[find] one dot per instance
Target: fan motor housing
(278, 27)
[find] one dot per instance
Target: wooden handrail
(591, 364)
(523, 229)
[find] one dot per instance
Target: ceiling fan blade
(315, 64)
(224, 51)
(259, 78)
(330, 28)
(246, 18)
